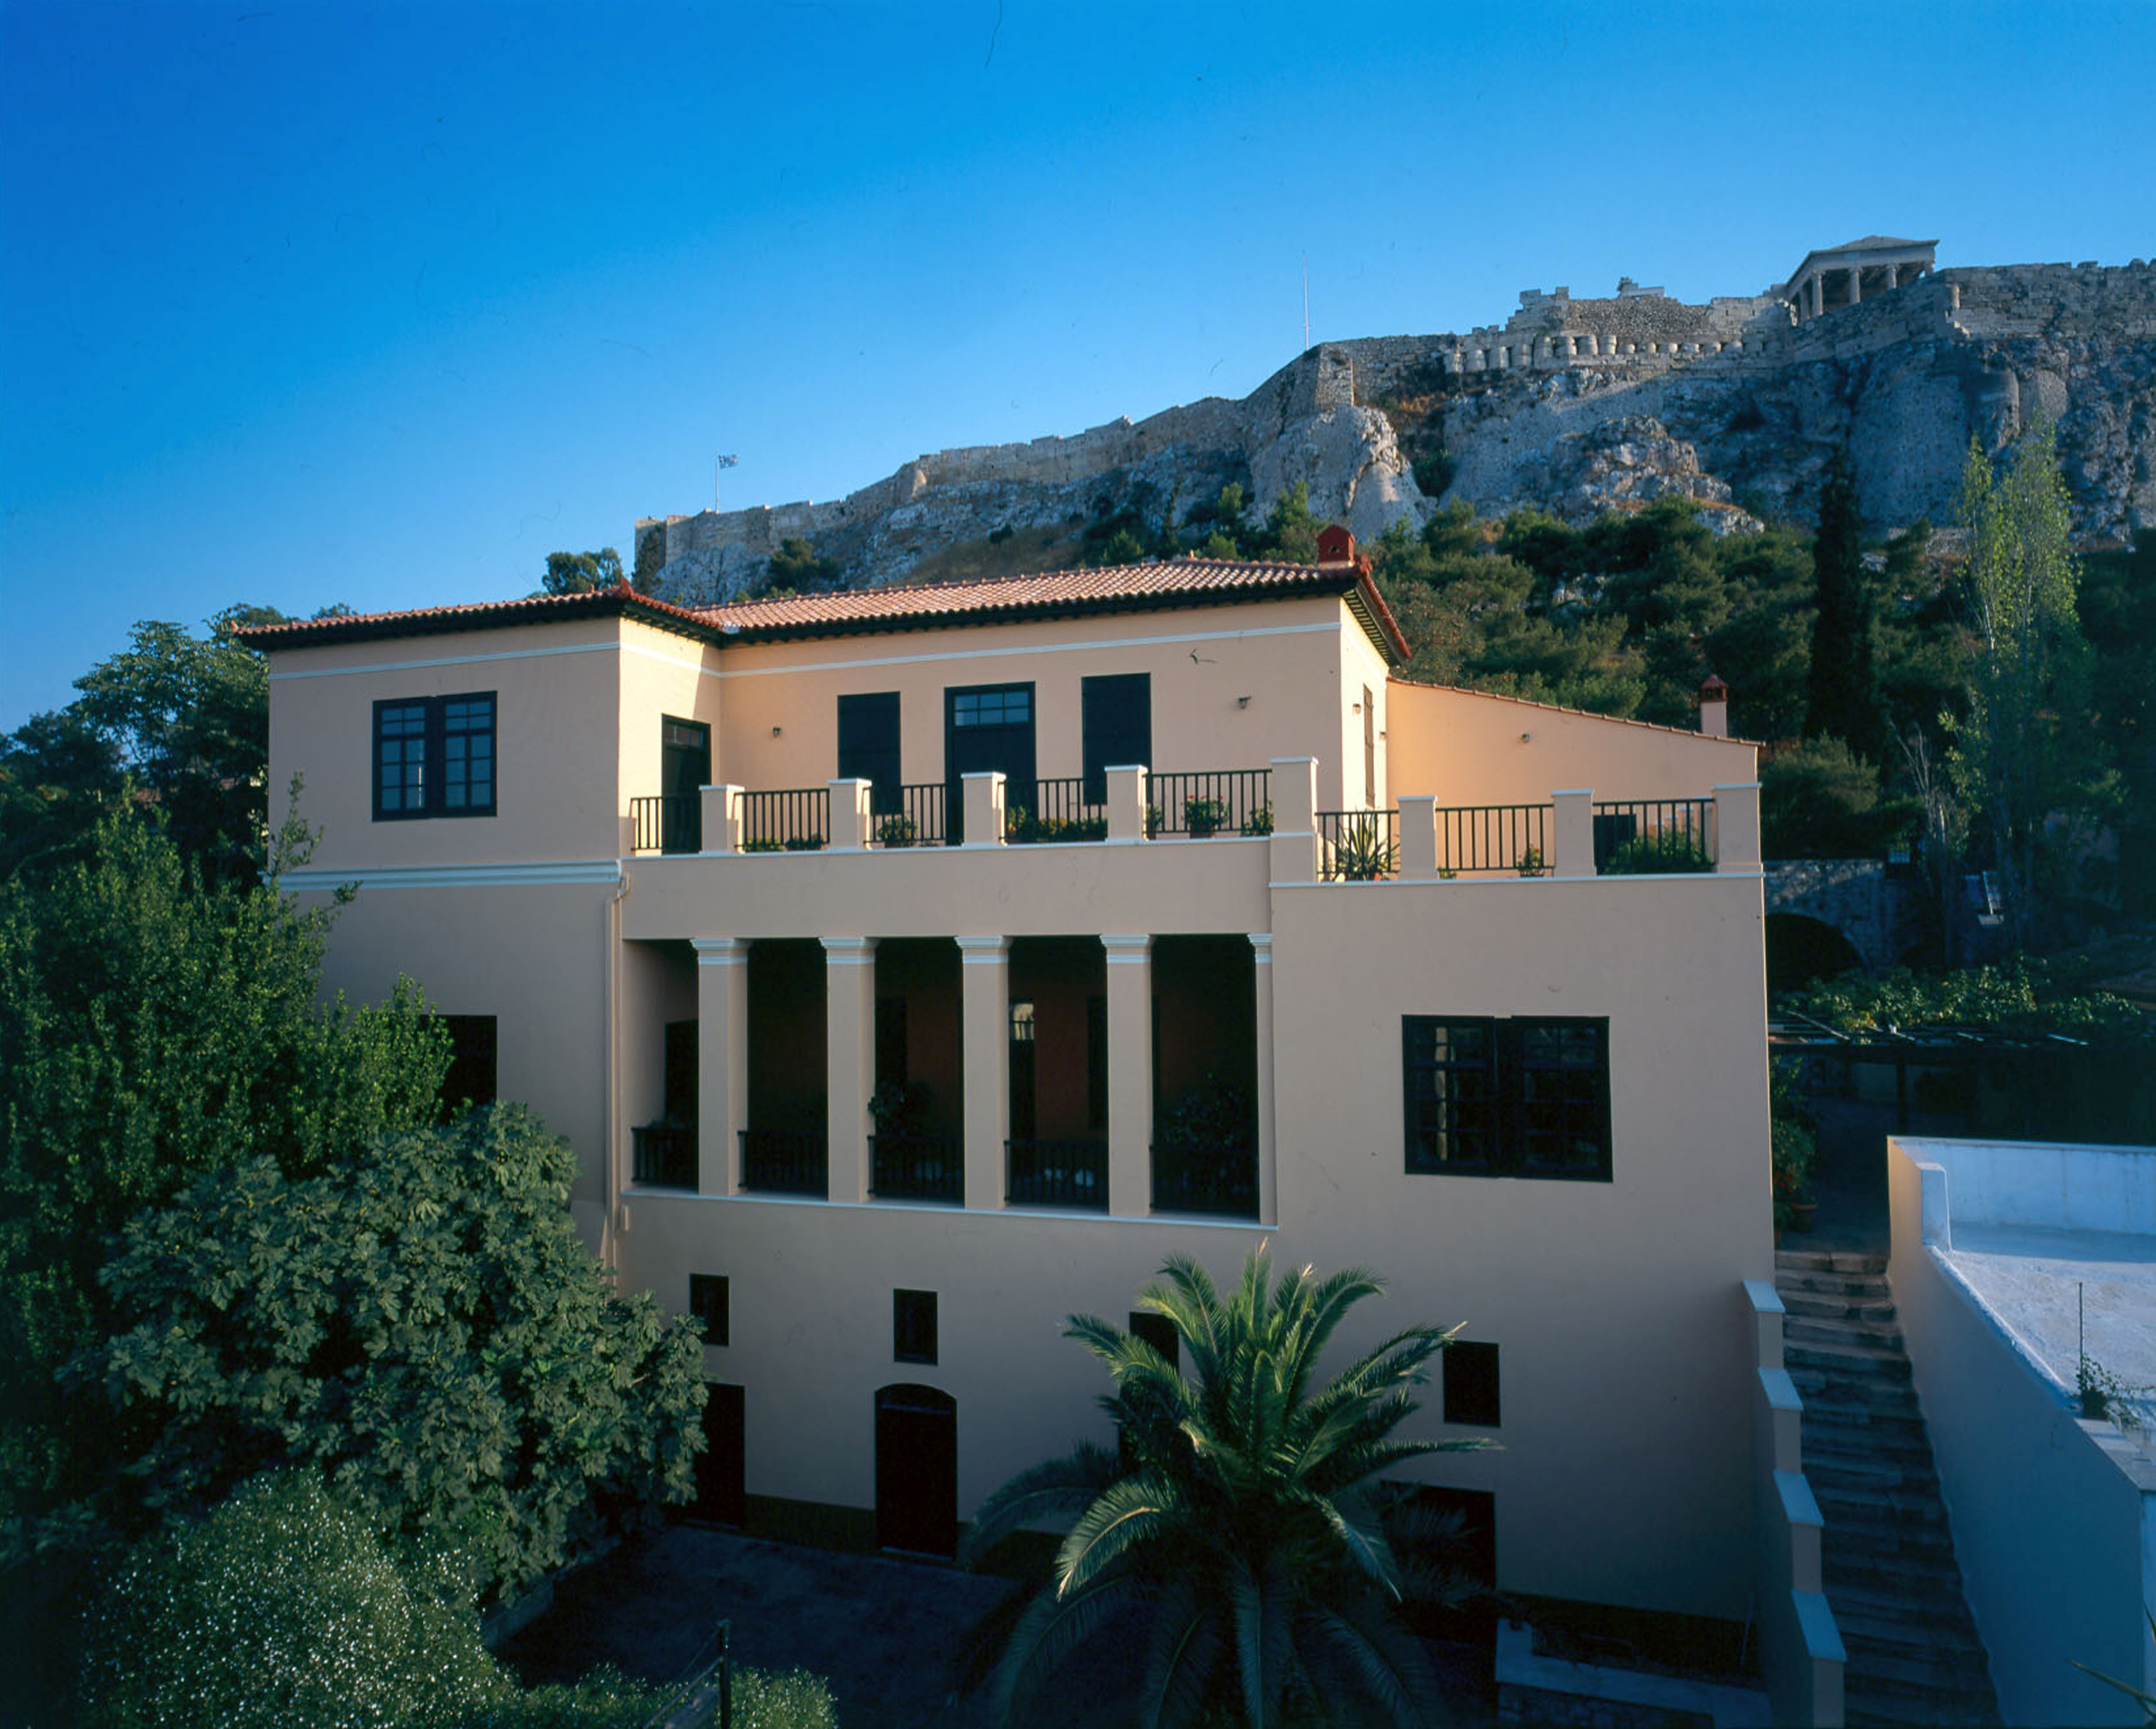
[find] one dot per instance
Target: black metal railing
(1640, 837)
(784, 1162)
(1506, 839)
(1210, 801)
(918, 1167)
(665, 1155)
(672, 823)
(1358, 846)
(918, 822)
(1199, 1176)
(1059, 812)
(1057, 1173)
(798, 819)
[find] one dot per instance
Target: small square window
(913, 1326)
(710, 1301)
(1470, 1384)
(1158, 1331)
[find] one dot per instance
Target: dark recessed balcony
(1205, 1176)
(918, 1167)
(665, 1155)
(1057, 1173)
(785, 1161)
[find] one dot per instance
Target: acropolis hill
(1575, 405)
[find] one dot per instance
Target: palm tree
(1239, 1533)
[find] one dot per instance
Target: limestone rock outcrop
(1574, 406)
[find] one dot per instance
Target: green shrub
(1364, 850)
(1203, 816)
(897, 832)
(1531, 862)
(763, 845)
(797, 1699)
(284, 1608)
(805, 843)
(1260, 822)
(1667, 853)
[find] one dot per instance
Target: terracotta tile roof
(1123, 587)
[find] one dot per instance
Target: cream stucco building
(1150, 913)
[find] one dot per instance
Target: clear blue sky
(380, 303)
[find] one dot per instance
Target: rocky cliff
(1575, 405)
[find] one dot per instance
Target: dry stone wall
(1576, 405)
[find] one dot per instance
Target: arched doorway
(916, 1448)
(1800, 950)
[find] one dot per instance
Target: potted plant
(1365, 851)
(1203, 816)
(1795, 1149)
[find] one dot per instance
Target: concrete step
(1907, 1667)
(1868, 1287)
(1845, 1474)
(1836, 1305)
(1898, 1438)
(1846, 1544)
(1907, 1639)
(1866, 1422)
(1922, 1577)
(1832, 1330)
(1915, 1708)
(1861, 1504)
(1846, 1357)
(1918, 1600)
(1814, 1260)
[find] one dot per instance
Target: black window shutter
(1115, 711)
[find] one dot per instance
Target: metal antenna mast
(1306, 302)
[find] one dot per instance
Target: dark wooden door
(1115, 714)
(868, 746)
(987, 728)
(685, 770)
(917, 1442)
(721, 1468)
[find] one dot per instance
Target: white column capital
(1261, 947)
(1127, 950)
(848, 951)
(720, 951)
(983, 951)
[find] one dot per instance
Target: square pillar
(984, 1049)
(1295, 819)
(1130, 1075)
(1261, 954)
(1126, 803)
(1418, 840)
(1736, 828)
(721, 1061)
(1572, 838)
(723, 818)
(849, 1062)
(984, 809)
(850, 821)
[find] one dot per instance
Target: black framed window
(1006, 705)
(471, 1080)
(913, 1326)
(1528, 1097)
(710, 1301)
(434, 756)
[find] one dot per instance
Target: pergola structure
(1843, 276)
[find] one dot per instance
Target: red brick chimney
(1336, 545)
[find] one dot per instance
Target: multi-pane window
(995, 706)
(1518, 1098)
(434, 756)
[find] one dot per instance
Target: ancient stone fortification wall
(1742, 387)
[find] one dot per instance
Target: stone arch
(1801, 948)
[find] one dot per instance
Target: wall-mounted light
(1242, 702)
(1525, 737)
(776, 731)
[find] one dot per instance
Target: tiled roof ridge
(1622, 720)
(583, 600)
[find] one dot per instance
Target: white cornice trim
(455, 876)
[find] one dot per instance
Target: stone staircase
(1891, 1578)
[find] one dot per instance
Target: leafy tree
(2022, 749)
(795, 569)
(1290, 536)
(418, 1323)
(2024, 996)
(153, 1029)
(1820, 800)
(1764, 650)
(580, 573)
(2118, 605)
(1241, 1539)
(1845, 701)
(186, 718)
(284, 1608)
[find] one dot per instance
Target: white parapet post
(850, 1064)
(1130, 1073)
(1419, 837)
(984, 809)
(850, 821)
(721, 1061)
(1736, 828)
(1571, 836)
(723, 818)
(1295, 819)
(1126, 803)
(984, 1017)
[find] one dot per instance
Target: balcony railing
(1640, 837)
(918, 1167)
(1059, 812)
(1207, 1177)
(673, 823)
(665, 1155)
(918, 822)
(1210, 801)
(1358, 846)
(1057, 1173)
(798, 819)
(784, 1162)
(1506, 839)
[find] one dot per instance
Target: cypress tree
(1844, 690)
